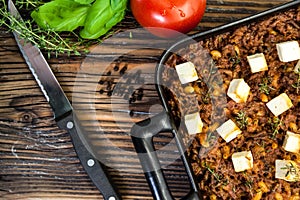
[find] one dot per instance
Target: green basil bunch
(96, 17)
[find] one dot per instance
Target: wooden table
(37, 159)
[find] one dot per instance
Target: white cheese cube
(257, 62)
(193, 123)
(186, 72)
(280, 104)
(287, 170)
(291, 142)
(228, 130)
(288, 51)
(297, 67)
(238, 90)
(242, 161)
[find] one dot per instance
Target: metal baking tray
(143, 132)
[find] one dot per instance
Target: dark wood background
(37, 159)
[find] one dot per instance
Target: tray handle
(142, 134)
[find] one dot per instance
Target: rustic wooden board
(37, 159)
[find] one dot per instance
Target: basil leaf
(84, 1)
(102, 16)
(61, 15)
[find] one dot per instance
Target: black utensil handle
(91, 165)
(142, 134)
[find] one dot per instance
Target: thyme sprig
(212, 171)
(206, 96)
(275, 124)
(46, 39)
(248, 182)
(297, 84)
(264, 86)
(28, 4)
(241, 119)
(235, 60)
(291, 171)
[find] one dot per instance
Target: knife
(64, 114)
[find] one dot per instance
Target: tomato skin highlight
(178, 15)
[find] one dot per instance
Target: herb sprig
(212, 171)
(50, 41)
(291, 171)
(241, 119)
(275, 124)
(264, 86)
(235, 60)
(297, 84)
(28, 4)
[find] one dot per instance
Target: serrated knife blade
(63, 112)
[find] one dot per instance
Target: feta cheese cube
(257, 62)
(287, 170)
(291, 142)
(288, 51)
(193, 123)
(238, 90)
(186, 72)
(297, 67)
(242, 161)
(228, 130)
(280, 104)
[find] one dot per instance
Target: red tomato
(177, 15)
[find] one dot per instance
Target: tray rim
(209, 33)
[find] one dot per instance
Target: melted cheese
(288, 51)
(238, 90)
(291, 142)
(280, 104)
(193, 123)
(257, 62)
(186, 72)
(228, 130)
(287, 170)
(242, 161)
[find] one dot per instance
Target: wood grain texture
(37, 159)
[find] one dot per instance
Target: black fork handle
(142, 134)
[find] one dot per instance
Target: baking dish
(170, 120)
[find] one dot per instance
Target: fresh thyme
(212, 171)
(297, 84)
(291, 171)
(249, 184)
(234, 188)
(248, 181)
(210, 136)
(28, 4)
(275, 124)
(206, 96)
(262, 144)
(46, 39)
(241, 119)
(235, 59)
(264, 86)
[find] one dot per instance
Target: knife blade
(64, 114)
